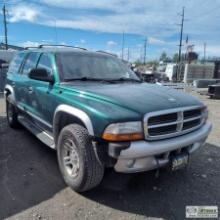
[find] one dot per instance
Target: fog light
(130, 163)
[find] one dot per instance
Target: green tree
(175, 57)
(163, 56)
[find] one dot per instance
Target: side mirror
(41, 74)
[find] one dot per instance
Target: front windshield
(93, 66)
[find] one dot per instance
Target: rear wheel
(12, 115)
(78, 163)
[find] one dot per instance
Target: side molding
(76, 113)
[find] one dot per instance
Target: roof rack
(59, 45)
(27, 48)
(102, 51)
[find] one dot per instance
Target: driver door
(43, 101)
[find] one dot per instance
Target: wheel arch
(8, 90)
(65, 114)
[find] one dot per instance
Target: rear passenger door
(13, 74)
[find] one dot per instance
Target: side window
(30, 63)
(45, 62)
(15, 64)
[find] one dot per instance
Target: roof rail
(27, 48)
(102, 51)
(60, 45)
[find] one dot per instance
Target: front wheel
(12, 115)
(78, 163)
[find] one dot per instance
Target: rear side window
(30, 63)
(45, 62)
(16, 63)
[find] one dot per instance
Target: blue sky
(98, 24)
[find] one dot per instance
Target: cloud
(23, 13)
(29, 44)
(154, 19)
(111, 43)
(214, 50)
(82, 41)
(155, 41)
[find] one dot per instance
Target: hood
(140, 98)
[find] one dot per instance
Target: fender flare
(9, 90)
(74, 112)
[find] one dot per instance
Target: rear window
(16, 63)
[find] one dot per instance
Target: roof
(13, 47)
(66, 49)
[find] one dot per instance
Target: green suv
(97, 113)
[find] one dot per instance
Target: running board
(43, 136)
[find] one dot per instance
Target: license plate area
(179, 161)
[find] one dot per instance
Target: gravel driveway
(31, 186)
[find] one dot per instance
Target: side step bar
(43, 136)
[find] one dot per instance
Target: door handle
(30, 89)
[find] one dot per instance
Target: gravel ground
(31, 186)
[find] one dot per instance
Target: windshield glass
(92, 66)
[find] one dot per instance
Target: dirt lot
(32, 188)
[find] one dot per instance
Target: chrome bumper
(141, 155)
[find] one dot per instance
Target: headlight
(126, 131)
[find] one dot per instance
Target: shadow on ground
(28, 172)
(29, 175)
(166, 196)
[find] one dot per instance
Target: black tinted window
(45, 62)
(30, 63)
(16, 63)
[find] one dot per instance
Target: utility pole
(5, 27)
(180, 44)
(128, 54)
(145, 48)
(204, 52)
(123, 43)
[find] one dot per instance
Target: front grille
(162, 119)
(172, 122)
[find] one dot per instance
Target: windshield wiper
(123, 79)
(87, 79)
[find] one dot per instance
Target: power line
(12, 2)
(128, 54)
(180, 44)
(204, 52)
(145, 48)
(181, 33)
(123, 42)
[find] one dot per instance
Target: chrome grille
(172, 122)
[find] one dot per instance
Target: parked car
(214, 91)
(96, 113)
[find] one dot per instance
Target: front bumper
(149, 155)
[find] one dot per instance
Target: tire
(81, 170)
(12, 115)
